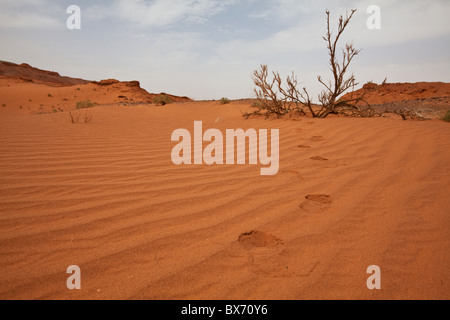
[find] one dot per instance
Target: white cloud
(157, 13)
(38, 14)
(27, 20)
(402, 22)
(208, 48)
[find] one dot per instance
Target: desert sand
(105, 196)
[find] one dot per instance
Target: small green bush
(224, 101)
(49, 95)
(446, 118)
(162, 99)
(84, 104)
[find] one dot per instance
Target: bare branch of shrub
(276, 99)
(77, 116)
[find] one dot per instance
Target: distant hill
(420, 93)
(26, 73)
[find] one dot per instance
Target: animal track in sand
(319, 158)
(319, 198)
(291, 175)
(316, 203)
(317, 138)
(255, 238)
(264, 253)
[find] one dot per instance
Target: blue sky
(207, 49)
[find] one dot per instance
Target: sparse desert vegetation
(224, 101)
(277, 98)
(80, 116)
(446, 117)
(162, 99)
(84, 104)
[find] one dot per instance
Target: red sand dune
(106, 196)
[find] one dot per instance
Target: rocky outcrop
(394, 92)
(27, 73)
(125, 89)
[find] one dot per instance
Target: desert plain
(105, 195)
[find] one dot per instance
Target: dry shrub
(446, 117)
(225, 101)
(276, 98)
(162, 99)
(80, 116)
